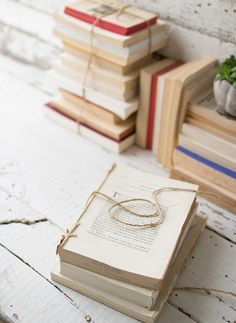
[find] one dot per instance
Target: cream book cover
(203, 108)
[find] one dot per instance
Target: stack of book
(131, 269)
(206, 151)
(166, 87)
(98, 72)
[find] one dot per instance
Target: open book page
(145, 251)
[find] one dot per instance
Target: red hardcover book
(130, 21)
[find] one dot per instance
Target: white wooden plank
(219, 220)
(45, 5)
(27, 34)
(28, 20)
(212, 266)
(23, 295)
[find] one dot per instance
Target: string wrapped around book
(157, 212)
(100, 13)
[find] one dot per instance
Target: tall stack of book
(98, 72)
(206, 151)
(166, 87)
(107, 257)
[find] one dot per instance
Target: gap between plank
(220, 234)
(179, 308)
(50, 282)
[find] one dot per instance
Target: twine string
(158, 213)
(110, 10)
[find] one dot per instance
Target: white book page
(142, 251)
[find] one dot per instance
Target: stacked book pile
(166, 87)
(179, 122)
(130, 262)
(206, 151)
(98, 72)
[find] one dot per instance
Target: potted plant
(225, 87)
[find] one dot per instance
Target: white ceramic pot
(225, 95)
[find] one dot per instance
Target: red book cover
(130, 21)
(152, 102)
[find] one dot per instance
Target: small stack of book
(206, 151)
(98, 72)
(129, 268)
(166, 87)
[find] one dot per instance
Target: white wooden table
(47, 172)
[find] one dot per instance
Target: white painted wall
(196, 28)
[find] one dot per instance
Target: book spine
(108, 271)
(203, 167)
(139, 296)
(152, 105)
(218, 195)
(207, 162)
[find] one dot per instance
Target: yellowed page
(133, 249)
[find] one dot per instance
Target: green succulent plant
(227, 71)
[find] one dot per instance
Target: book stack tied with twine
(131, 241)
(105, 46)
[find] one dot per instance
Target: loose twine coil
(157, 213)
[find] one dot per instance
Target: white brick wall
(197, 28)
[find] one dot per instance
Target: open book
(138, 256)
